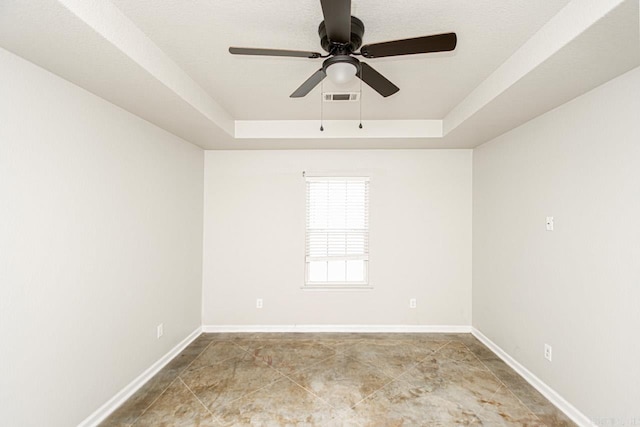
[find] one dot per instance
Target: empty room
(319, 213)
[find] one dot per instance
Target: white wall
(420, 238)
(100, 240)
(576, 288)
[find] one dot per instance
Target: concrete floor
(328, 379)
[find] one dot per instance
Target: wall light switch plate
(412, 303)
(549, 223)
(160, 330)
(259, 303)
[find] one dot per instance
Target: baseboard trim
(338, 328)
(112, 404)
(553, 396)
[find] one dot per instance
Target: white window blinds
(337, 234)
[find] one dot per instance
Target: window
(337, 235)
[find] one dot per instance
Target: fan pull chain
(321, 106)
(361, 73)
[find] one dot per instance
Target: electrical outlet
(412, 303)
(259, 303)
(160, 330)
(548, 352)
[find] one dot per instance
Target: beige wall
(576, 288)
(100, 240)
(420, 238)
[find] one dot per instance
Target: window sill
(336, 288)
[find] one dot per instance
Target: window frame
(338, 285)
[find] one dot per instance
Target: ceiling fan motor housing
(357, 32)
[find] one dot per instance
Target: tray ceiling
(167, 62)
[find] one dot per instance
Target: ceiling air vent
(340, 96)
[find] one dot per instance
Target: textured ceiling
(197, 34)
(167, 61)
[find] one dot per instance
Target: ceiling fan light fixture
(341, 72)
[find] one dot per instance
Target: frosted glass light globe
(341, 72)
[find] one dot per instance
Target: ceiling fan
(341, 36)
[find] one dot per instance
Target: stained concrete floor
(337, 380)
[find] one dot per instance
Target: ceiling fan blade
(426, 44)
(309, 84)
(337, 19)
(377, 81)
(273, 52)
